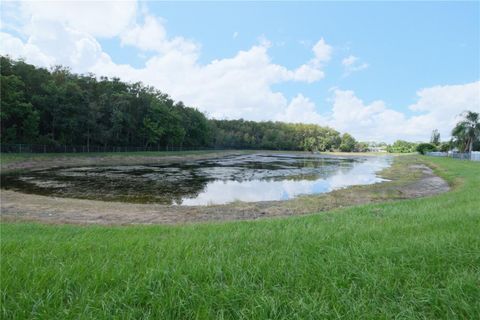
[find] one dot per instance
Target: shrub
(425, 147)
(445, 146)
(361, 147)
(401, 146)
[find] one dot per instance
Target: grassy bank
(409, 259)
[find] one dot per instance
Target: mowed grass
(415, 259)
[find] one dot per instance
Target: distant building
(377, 149)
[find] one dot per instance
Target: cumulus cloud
(49, 43)
(441, 105)
(437, 108)
(16, 48)
(99, 18)
(323, 52)
(64, 33)
(301, 110)
(365, 121)
(446, 99)
(312, 70)
(151, 35)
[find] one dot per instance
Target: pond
(249, 178)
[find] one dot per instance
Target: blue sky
(381, 71)
(407, 46)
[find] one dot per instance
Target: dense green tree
(19, 118)
(347, 143)
(423, 148)
(362, 147)
(445, 146)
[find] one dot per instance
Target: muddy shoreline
(410, 178)
(103, 160)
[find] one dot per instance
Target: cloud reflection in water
(221, 192)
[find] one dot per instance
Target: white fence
(474, 155)
(437, 154)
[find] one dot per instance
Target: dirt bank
(409, 179)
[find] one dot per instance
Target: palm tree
(467, 131)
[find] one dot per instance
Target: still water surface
(257, 177)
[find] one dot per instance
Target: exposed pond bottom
(249, 178)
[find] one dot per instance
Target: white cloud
(16, 48)
(312, 70)
(438, 107)
(153, 36)
(353, 64)
(235, 35)
(372, 121)
(442, 105)
(323, 51)
(308, 73)
(99, 18)
(301, 110)
(50, 43)
(443, 100)
(350, 60)
(64, 32)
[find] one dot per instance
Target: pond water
(249, 178)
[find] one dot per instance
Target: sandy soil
(408, 180)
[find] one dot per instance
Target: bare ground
(409, 179)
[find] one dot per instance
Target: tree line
(58, 107)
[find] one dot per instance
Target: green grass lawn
(399, 260)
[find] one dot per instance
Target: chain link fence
(44, 148)
(474, 155)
